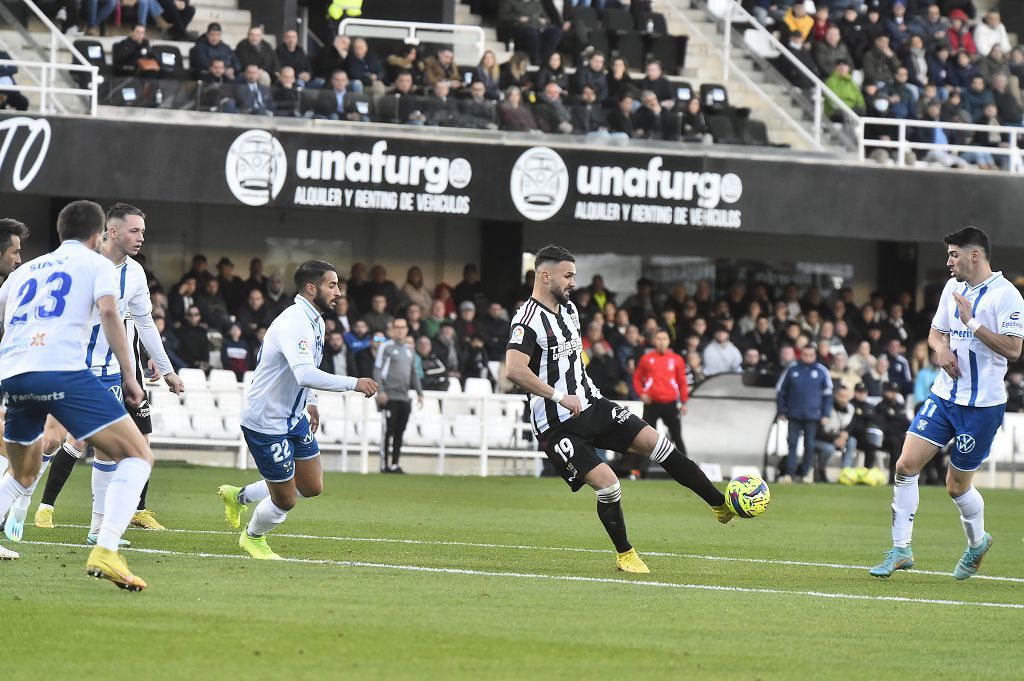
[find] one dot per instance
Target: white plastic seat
(161, 398)
(222, 377)
(229, 401)
(194, 379)
(209, 424)
(198, 401)
(330, 431)
(500, 433)
(172, 423)
(466, 431)
(430, 433)
(478, 386)
(760, 44)
(454, 387)
(231, 425)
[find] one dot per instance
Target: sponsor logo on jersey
(518, 333)
(1015, 316)
(563, 350)
(304, 346)
(39, 339)
(965, 443)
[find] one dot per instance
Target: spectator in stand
(256, 277)
(842, 84)
(433, 374)
(1008, 106)
(821, 24)
(405, 60)
(181, 299)
(604, 371)
(477, 111)
(170, 341)
(235, 352)
(1016, 63)
(359, 338)
(213, 307)
(277, 301)
(515, 114)
(800, 49)
(890, 416)
(842, 373)
(364, 67)
(976, 98)
(660, 383)
(831, 51)
(286, 94)
(179, 14)
(876, 376)
(873, 25)
(721, 356)
(932, 27)
(414, 290)
(470, 288)
(804, 399)
(797, 20)
(255, 50)
(494, 328)
(961, 72)
(619, 82)
(194, 345)
(531, 27)
(553, 71)
(440, 108)
(514, 73)
(366, 358)
(652, 121)
(208, 47)
(443, 292)
(395, 373)
(331, 58)
(441, 67)
(897, 25)
(336, 358)
(851, 27)
(252, 96)
(466, 324)
(408, 111)
(550, 111)
(915, 58)
(232, 288)
(448, 349)
(290, 54)
(694, 370)
(379, 284)
(591, 73)
(656, 82)
(881, 63)
(378, 317)
(695, 126)
(994, 63)
(132, 55)
(10, 98)
(489, 73)
(336, 104)
(588, 116)
(475, 360)
(899, 367)
(414, 316)
(620, 120)
(253, 315)
(432, 322)
(834, 435)
(902, 95)
(959, 34)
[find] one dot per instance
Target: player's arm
(150, 338)
(113, 331)
(1006, 344)
(517, 370)
(298, 350)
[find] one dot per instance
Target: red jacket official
(662, 376)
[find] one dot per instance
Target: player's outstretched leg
(609, 510)
(62, 463)
(971, 505)
(683, 470)
(237, 499)
(102, 474)
(905, 498)
(14, 525)
(272, 510)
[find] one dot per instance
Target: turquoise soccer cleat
(93, 539)
(13, 527)
(897, 558)
(971, 560)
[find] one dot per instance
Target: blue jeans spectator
(797, 427)
(96, 14)
(826, 450)
(147, 8)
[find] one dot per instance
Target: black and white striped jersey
(555, 346)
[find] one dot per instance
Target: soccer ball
(747, 495)
(849, 476)
(875, 477)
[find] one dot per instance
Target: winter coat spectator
(494, 329)
(477, 111)
(656, 82)
(286, 94)
(470, 288)
(851, 27)
(440, 108)
(531, 26)
(253, 315)
(515, 114)
(959, 34)
(433, 373)
(364, 67)
(897, 25)
(1008, 106)
(915, 59)
(252, 96)
(448, 349)
(377, 317)
(213, 307)
(652, 121)
(232, 288)
(442, 67)
(550, 111)
(181, 299)
(235, 352)
(591, 73)
(880, 63)
(331, 58)
(210, 46)
(721, 356)
(797, 20)
(621, 120)
(932, 26)
(255, 50)
(804, 399)
(976, 98)
(831, 51)
(488, 72)
(619, 82)
(193, 343)
(991, 32)
(133, 56)
(552, 72)
(277, 300)
(336, 358)
(695, 126)
(359, 338)
(475, 360)
(514, 73)
(290, 54)
(405, 60)
(414, 290)
(842, 84)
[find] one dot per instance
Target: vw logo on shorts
(965, 443)
(118, 393)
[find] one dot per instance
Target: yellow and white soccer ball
(874, 477)
(748, 495)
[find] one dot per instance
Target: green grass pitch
(355, 609)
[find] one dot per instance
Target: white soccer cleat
(14, 526)
(7, 554)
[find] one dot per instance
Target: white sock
(42, 470)
(972, 515)
(102, 474)
(905, 498)
(122, 499)
(10, 491)
(266, 517)
(254, 493)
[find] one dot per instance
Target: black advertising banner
(398, 171)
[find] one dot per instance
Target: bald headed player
(569, 414)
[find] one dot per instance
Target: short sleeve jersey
(554, 344)
(133, 301)
(49, 307)
(998, 306)
(276, 402)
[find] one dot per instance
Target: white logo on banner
(36, 127)
(539, 183)
(256, 167)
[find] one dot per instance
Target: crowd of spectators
(911, 60)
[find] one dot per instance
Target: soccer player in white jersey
(280, 416)
(978, 326)
(125, 234)
(570, 415)
(48, 309)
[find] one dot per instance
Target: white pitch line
(568, 578)
(570, 549)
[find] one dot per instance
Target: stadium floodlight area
(51, 78)
(467, 42)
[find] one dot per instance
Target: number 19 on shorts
(564, 449)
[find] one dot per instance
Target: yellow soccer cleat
(233, 509)
(723, 513)
(631, 562)
(106, 564)
(257, 547)
(44, 518)
(146, 520)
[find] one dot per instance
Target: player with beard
(280, 418)
(571, 417)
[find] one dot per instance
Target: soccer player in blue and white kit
(48, 308)
(978, 326)
(280, 417)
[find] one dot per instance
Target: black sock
(61, 465)
(609, 510)
(142, 499)
(688, 474)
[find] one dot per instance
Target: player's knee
(904, 467)
(284, 500)
(312, 489)
(610, 494)
(955, 488)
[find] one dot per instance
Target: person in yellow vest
(340, 9)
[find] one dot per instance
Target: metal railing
(44, 76)
(902, 144)
(468, 42)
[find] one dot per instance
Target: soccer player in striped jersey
(978, 326)
(125, 234)
(569, 414)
